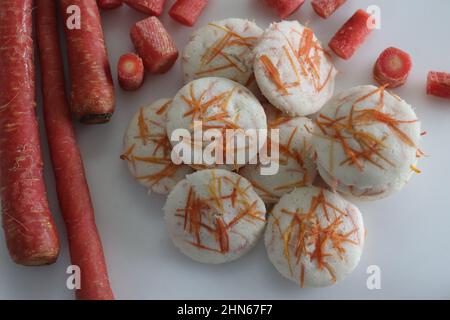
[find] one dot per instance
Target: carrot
(351, 35)
(29, 228)
(392, 67)
(92, 97)
(151, 7)
(438, 84)
(130, 71)
(187, 11)
(73, 192)
(109, 4)
(285, 8)
(154, 44)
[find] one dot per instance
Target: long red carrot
(73, 192)
(92, 98)
(438, 84)
(29, 228)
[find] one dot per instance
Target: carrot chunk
(109, 4)
(325, 8)
(151, 7)
(351, 35)
(392, 67)
(187, 11)
(155, 46)
(130, 71)
(438, 84)
(284, 8)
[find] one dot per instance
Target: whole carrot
(29, 228)
(73, 192)
(92, 97)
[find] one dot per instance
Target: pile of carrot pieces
(392, 67)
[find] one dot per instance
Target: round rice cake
(147, 149)
(314, 237)
(366, 143)
(214, 216)
(296, 165)
(292, 69)
(219, 104)
(223, 49)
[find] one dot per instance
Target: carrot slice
(151, 7)
(392, 67)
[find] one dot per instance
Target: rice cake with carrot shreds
(366, 143)
(214, 216)
(314, 237)
(292, 69)
(219, 104)
(147, 149)
(296, 165)
(223, 49)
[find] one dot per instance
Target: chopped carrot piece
(154, 44)
(130, 71)
(187, 11)
(109, 4)
(273, 72)
(285, 8)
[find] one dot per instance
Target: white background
(408, 233)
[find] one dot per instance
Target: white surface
(408, 234)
